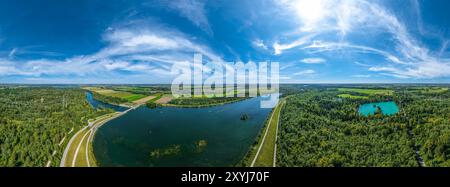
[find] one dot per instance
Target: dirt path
(164, 100)
(144, 100)
(66, 151)
(78, 149)
(264, 137)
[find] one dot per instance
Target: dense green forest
(319, 128)
(33, 121)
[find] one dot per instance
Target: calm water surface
(387, 108)
(168, 136)
(98, 104)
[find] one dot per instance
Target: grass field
(352, 96)
(130, 97)
(72, 148)
(434, 90)
(367, 91)
(81, 157)
(266, 154)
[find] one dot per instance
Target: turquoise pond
(387, 108)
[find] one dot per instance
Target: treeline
(143, 90)
(320, 129)
(33, 121)
(203, 101)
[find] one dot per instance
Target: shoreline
(95, 125)
(90, 129)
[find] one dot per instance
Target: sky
(137, 42)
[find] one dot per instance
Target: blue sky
(315, 41)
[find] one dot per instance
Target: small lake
(98, 104)
(387, 108)
(169, 136)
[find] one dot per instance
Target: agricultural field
(363, 93)
(433, 90)
(144, 90)
(128, 96)
(352, 96)
(367, 91)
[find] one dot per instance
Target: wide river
(169, 136)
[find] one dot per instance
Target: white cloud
(422, 70)
(305, 72)
(259, 43)
(279, 48)
(313, 60)
(150, 40)
(362, 76)
(319, 46)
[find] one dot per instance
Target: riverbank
(263, 153)
(79, 150)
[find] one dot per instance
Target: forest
(34, 121)
(320, 128)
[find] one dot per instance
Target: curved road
(92, 127)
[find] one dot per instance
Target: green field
(367, 91)
(266, 154)
(433, 90)
(73, 147)
(130, 97)
(352, 96)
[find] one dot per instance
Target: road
(91, 129)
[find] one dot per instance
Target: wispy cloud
(305, 72)
(322, 19)
(12, 53)
(313, 60)
(362, 76)
(194, 11)
(138, 50)
(279, 48)
(260, 44)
